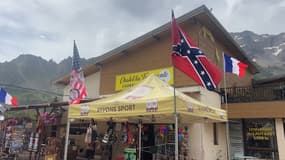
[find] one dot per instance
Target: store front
(148, 110)
(253, 138)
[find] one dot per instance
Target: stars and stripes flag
(189, 59)
(78, 89)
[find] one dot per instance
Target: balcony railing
(252, 94)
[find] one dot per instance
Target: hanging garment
(88, 136)
(30, 146)
(130, 134)
(36, 142)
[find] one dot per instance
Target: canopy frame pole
(175, 117)
(140, 139)
(66, 139)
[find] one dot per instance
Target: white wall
(195, 140)
(204, 149)
(280, 138)
(210, 98)
(201, 136)
(215, 152)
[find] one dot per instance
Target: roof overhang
(275, 79)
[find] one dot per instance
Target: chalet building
(256, 127)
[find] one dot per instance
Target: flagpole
(226, 102)
(175, 116)
(66, 138)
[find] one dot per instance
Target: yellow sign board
(128, 80)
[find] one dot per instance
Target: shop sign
(263, 134)
(116, 108)
(84, 110)
(152, 105)
(128, 80)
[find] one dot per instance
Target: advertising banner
(128, 80)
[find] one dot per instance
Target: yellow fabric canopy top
(151, 101)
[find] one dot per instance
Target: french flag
(6, 98)
(234, 66)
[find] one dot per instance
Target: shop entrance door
(148, 138)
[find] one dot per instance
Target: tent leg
(140, 140)
(176, 136)
(66, 139)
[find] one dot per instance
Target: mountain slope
(29, 71)
(268, 51)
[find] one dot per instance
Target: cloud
(48, 28)
(260, 16)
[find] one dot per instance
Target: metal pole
(66, 139)
(140, 140)
(176, 136)
(175, 117)
(202, 141)
(226, 102)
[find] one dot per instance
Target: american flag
(78, 89)
(188, 58)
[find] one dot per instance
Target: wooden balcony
(254, 94)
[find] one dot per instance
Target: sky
(47, 28)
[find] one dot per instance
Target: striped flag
(234, 66)
(6, 98)
(78, 89)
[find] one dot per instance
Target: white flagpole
(66, 138)
(226, 102)
(175, 117)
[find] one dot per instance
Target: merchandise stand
(149, 100)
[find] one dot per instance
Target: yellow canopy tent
(150, 101)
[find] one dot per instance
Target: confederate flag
(188, 58)
(78, 89)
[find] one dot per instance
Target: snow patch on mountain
(275, 50)
(276, 53)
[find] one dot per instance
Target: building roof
(201, 14)
(270, 80)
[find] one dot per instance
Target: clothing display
(88, 136)
(90, 139)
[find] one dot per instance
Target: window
(215, 134)
(260, 138)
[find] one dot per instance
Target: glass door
(260, 139)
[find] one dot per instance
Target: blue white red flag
(78, 89)
(234, 66)
(6, 98)
(188, 58)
